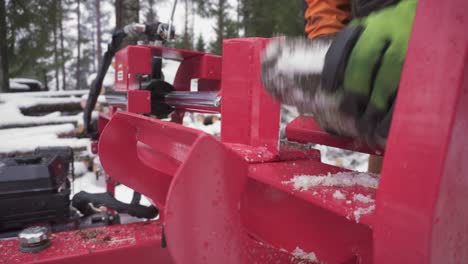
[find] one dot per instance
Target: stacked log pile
(41, 119)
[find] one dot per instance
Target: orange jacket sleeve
(326, 17)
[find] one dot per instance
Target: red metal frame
(225, 200)
(113, 244)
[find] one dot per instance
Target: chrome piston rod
(180, 100)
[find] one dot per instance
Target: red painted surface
(250, 116)
(112, 244)
(422, 208)
(130, 64)
(304, 130)
(230, 199)
(139, 101)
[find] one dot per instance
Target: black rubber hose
(82, 200)
(136, 198)
(96, 86)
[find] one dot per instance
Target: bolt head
(34, 235)
(217, 102)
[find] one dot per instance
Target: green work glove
(364, 64)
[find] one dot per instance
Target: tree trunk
(98, 32)
(78, 59)
(126, 12)
(220, 17)
(194, 11)
(238, 10)
(151, 14)
(4, 77)
(186, 37)
(62, 48)
(93, 49)
(56, 63)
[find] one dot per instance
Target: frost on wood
(46, 94)
(12, 117)
(339, 195)
(15, 133)
(28, 144)
(340, 179)
(300, 254)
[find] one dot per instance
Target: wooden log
(76, 150)
(40, 109)
(40, 122)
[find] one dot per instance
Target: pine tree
(31, 26)
(97, 4)
(4, 77)
(78, 41)
(284, 17)
(62, 46)
(200, 44)
(238, 13)
(55, 19)
(127, 12)
(86, 64)
(187, 37)
(224, 25)
(150, 12)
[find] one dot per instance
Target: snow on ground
(79, 168)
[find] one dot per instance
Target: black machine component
(35, 188)
(151, 32)
(86, 202)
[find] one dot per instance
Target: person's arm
(326, 17)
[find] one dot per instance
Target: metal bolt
(34, 239)
(217, 102)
